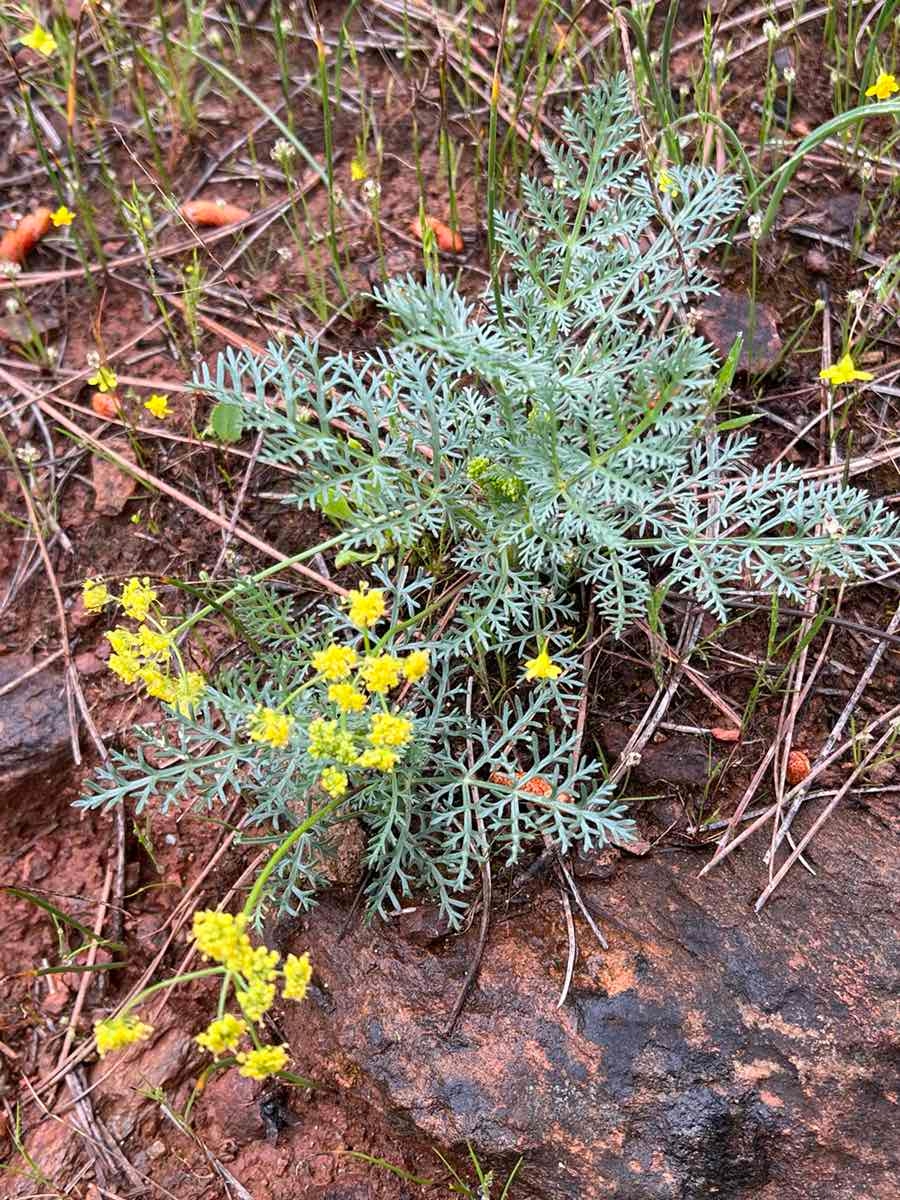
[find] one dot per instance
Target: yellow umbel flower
(223, 1034)
(94, 594)
(158, 406)
(335, 662)
(390, 730)
(104, 379)
(297, 974)
(542, 667)
(334, 782)
(222, 937)
(137, 597)
(122, 640)
(415, 665)
(261, 1063)
(844, 371)
(256, 999)
(347, 698)
(378, 758)
(127, 666)
(883, 87)
(41, 40)
(153, 643)
(62, 216)
(367, 608)
(321, 737)
(380, 672)
(666, 184)
(189, 689)
(158, 685)
(270, 726)
(119, 1032)
(260, 965)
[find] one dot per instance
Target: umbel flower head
(119, 1032)
(270, 726)
(222, 1034)
(366, 608)
(261, 1063)
(95, 594)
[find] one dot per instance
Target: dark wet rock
(34, 724)
(708, 1053)
(727, 314)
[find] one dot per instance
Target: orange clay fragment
(106, 404)
(211, 212)
(726, 733)
(16, 243)
(536, 786)
(798, 767)
(447, 240)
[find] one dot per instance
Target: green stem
(263, 877)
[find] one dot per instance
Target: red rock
(727, 314)
(113, 488)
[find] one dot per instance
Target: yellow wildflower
(297, 974)
(137, 597)
(158, 685)
(158, 406)
(189, 689)
(326, 740)
(666, 184)
(104, 379)
(119, 1032)
(357, 170)
(127, 666)
(153, 643)
(223, 1034)
(94, 594)
(378, 758)
(844, 371)
(41, 40)
(390, 730)
(122, 640)
(334, 782)
(222, 937)
(366, 608)
(270, 726)
(62, 216)
(261, 1063)
(335, 662)
(380, 672)
(415, 665)
(346, 697)
(883, 87)
(260, 965)
(256, 999)
(542, 667)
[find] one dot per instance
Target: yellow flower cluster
(334, 782)
(366, 608)
(270, 726)
(254, 970)
(335, 662)
(346, 697)
(119, 1032)
(223, 1034)
(144, 654)
(263, 1062)
(390, 730)
(328, 740)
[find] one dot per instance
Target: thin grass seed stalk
(510, 466)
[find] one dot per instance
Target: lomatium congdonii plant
(560, 430)
(508, 460)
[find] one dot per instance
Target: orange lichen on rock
(16, 243)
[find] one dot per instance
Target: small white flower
(867, 171)
(632, 758)
(855, 297)
(284, 253)
(371, 189)
(52, 354)
(718, 57)
(770, 31)
(338, 196)
(9, 270)
(92, 358)
(790, 76)
(28, 454)
(12, 306)
(754, 225)
(283, 151)
(126, 62)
